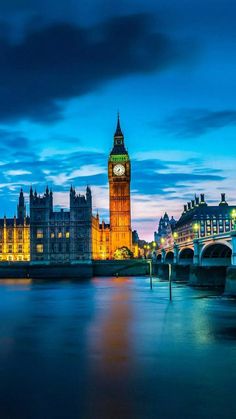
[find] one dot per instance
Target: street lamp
(233, 215)
(175, 236)
(162, 240)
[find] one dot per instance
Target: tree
(123, 253)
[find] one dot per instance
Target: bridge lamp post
(175, 236)
(233, 214)
(145, 247)
(196, 230)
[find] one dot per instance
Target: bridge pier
(176, 254)
(196, 259)
(233, 240)
(163, 255)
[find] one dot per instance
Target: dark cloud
(63, 61)
(11, 141)
(196, 122)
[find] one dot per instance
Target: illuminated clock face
(119, 170)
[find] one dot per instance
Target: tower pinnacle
(118, 132)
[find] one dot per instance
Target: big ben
(119, 174)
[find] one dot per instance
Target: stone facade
(200, 219)
(70, 236)
(15, 235)
(165, 230)
(60, 236)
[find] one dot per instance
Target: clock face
(119, 169)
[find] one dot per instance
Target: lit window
(52, 234)
(10, 248)
(20, 234)
(39, 248)
(67, 234)
(59, 235)
(39, 233)
(20, 248)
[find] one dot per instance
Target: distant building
(60, 236)
(15, 235)
(165, 229)
(200, 219)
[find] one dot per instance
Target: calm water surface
(112, 348)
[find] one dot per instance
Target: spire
(118, 132)
(118, 145)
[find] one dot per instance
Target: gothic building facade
(165, 229)
(60, 236)
(68, 236)
(15, 235)
(107, 238)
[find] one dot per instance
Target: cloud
(63, 61)
(85, 171)
(17, 172)
(197, 122)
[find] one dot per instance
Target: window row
(59, 235)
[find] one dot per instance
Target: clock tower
(119, 173)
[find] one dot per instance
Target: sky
(168, 66)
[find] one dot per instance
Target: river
(113, 348)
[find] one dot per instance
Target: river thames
(113, 348)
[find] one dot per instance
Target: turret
(21, 209)
(202, 199)
(223, 201)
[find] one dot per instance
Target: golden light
(195, 227)
(162, 240)
(148, 247)
(154, 244)
(175, 235)
(233, 213)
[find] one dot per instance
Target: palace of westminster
(48, 236)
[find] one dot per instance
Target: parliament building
(67, 236)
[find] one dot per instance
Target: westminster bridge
(213, 250)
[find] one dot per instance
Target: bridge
(213, 250)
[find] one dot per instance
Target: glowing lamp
(195, 227)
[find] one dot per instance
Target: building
(165, 230)
(119, 176)
(60, 236)
(15, 235)
(67, 236)
(200, 219)
(107, 238)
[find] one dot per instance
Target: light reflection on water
(112, 348)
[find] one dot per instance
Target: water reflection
(109, 343)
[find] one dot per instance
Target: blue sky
(168, 66)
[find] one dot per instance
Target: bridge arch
(216, 254)
(169, 257)
(186, 256)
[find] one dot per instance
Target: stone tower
(119, 174)
(21, 210)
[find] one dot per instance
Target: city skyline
(172, 81)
